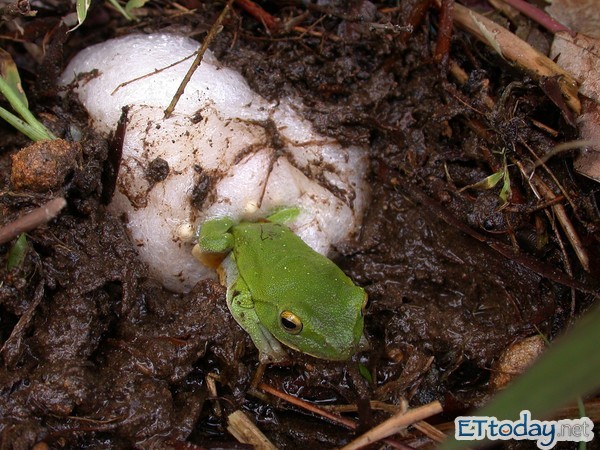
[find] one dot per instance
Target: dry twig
(538, 15)
(11, 350)
(244, 430)
(321, 412)
(32, 220)
(214, 30)
(395, 424)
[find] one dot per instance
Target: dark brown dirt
(96, 355)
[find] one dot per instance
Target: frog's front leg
(214, 239)
(241, 305)
(214, 236)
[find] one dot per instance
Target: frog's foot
(284, 215)
(241, 305)
(214, 236)
(269, 348)
(212, 260)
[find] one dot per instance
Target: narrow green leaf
(29, 126)
(567, 370)
(10, 74)
(486, 183)
(17, 253)
(365, 372)
(133, 4)
(82, 9)
(119, 8)
(487, 34)
(506, 191)
(32, 133)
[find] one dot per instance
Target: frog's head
(329, 327)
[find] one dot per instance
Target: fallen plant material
(442, 47)
(538, 15)
(515, 360)
(395, 424)
(32, 219)
(382, 432)
(580, 55)
(244, 430)
(96, 354)
(519, 52)
(582, 16)
(255, 10)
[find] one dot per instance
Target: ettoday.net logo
(546, 433)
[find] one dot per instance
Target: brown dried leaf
(582, 16)
(580, 55)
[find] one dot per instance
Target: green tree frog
(280, 290)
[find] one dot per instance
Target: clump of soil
(44, 165)
(95, 354)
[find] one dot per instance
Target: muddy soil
(97, 355)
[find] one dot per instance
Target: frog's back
(273, 255)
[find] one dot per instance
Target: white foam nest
(229, 152)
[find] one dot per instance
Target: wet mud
(95, 354)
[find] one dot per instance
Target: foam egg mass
(225, 151)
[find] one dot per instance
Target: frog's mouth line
(321, 349)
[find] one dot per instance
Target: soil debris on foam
(95, 354)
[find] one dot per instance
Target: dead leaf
(579, 55)
(582, 16)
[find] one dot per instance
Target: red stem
(539, 16)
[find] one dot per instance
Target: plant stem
(29, 131)
(33, 126)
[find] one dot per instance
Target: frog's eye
(290, 322)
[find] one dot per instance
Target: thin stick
(395, 424)
(246, 432)
(442, 46)
(321, 412)
(308, 406)
(216, 27)
(430, 431)
(11, 349)
(539, 16)
(32, 220)
(258, 13)
(565, 222)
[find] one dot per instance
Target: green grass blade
(10, 74)
(81, 8)
(569, 369)
(506, 191)
(134, 4)
(486, 183)
(119, 8)
(17, 253)
(11, 89)
(32, 133)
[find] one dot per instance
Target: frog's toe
(270, 350)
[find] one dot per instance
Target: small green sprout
(83, 6)
(17, 253)
(11, 89)
(365, 372)
(491, 181)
